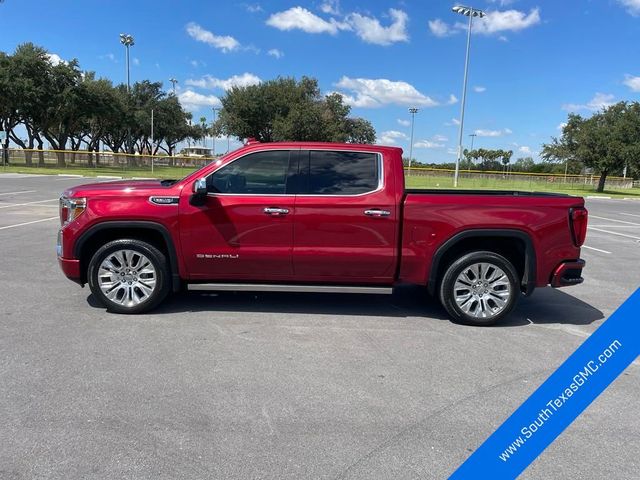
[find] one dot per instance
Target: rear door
(346, 218)
(245, 229)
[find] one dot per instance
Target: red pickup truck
(317, 217)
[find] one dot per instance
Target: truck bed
(510, 193)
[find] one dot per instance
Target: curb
(108, 176)
(70, 175)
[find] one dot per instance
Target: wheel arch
(500, 241)
(152, 232)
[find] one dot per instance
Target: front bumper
(568, 273)
(71, 268)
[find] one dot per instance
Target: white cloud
(108, 56)
(427, 144)
(55, 59)
(253, 8)
(598, 102)
(376, 92)
(479, 89)
(561, 126)
(370, 30)
(494, 22)
(194, 101)
(507, 20)
(332, 7)
(525, 150)
(452, 99)
(632, 82)
(404, 123)
(453, 122)
(632, 6)
(274, 52)
(440, 28)
(208, 81)
(136, 61)
(502, 3)
(367, 28)
(492, 133)
(302, 19)
(390, 136)
(440, 138)
(225, 43)
(502, 38)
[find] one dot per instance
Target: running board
(267, 287)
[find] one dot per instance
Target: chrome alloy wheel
(482, 290)
(127, 277)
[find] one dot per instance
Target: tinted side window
(342, 173)
(257, 173)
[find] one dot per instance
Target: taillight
(578, 218)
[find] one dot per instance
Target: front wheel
(479, 288)
(129, 276)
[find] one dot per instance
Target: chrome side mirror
(199, 196)
(200, 186)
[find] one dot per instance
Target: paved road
(289, 386)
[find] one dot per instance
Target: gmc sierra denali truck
(317, 217)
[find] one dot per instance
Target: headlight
(71, 208)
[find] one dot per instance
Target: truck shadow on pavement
(546, 306)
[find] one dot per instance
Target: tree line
(70, 109)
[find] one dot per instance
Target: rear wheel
(479, 288)
(129, 276)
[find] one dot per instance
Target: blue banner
(560, 399)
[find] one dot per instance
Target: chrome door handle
(275, 211)
(376, 212)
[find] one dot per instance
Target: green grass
(159, 172)
(499, 183)
(414, 181)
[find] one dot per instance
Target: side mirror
(199, 192)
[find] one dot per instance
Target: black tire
(484, 301)
(157, 259)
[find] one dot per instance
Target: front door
(244, 231)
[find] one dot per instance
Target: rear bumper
(568, 273)
(71, 268)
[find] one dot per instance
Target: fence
(121, 164)
(104, 163)
(440, 177)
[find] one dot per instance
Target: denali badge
(217, 256)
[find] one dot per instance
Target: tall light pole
(173, 83)
(127, 41)
(413, 112)
(473, 137)
(468, 12)
(213, 133)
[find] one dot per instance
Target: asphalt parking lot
(278, 386)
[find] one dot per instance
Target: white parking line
(614, 233)
(28, 203)
(630, 214)
(615, 226)
(614, 220)
(16, 193)
(28, 223)
(596, 249)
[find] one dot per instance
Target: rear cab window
(331, 172)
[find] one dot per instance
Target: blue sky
(531, 61)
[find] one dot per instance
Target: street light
(473, 137)
(213, 133)
(127, 41)
(468, 12)
(413, 112)
(173, 82)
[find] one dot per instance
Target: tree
(605, 142)
(287, 110)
